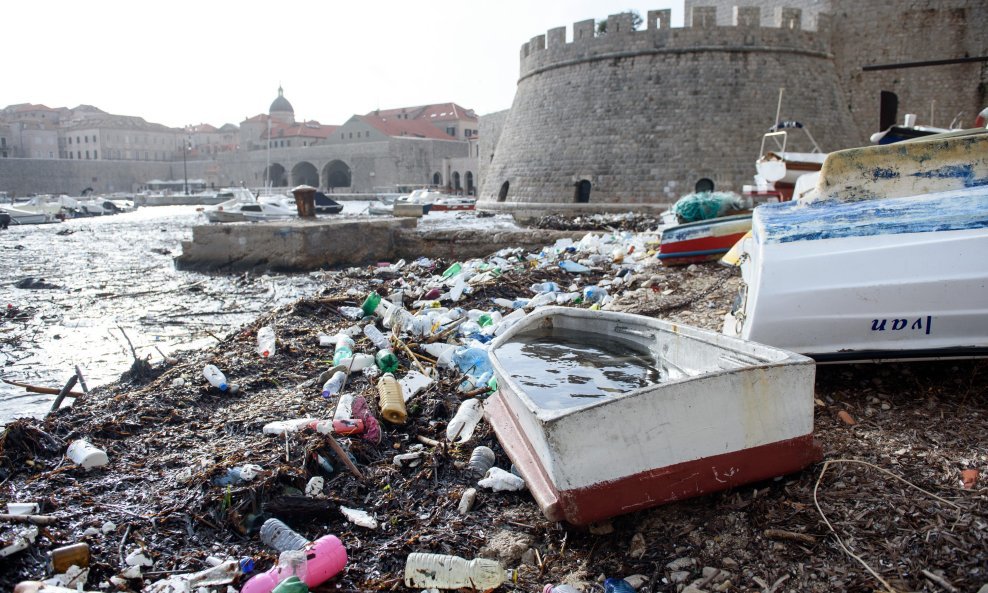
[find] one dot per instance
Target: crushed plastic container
(464, 422)
(86, 455)
(391, 403)
(441, 571)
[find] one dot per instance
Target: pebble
(679, 576)
(637, 581)
(680, 564)
(467, 500)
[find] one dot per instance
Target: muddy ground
(889, 488)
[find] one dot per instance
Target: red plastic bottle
(325, 558)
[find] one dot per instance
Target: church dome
(281, 104)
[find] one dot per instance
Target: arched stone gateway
(456, 181)
(305, 173)
(583, 188)
(471, 190)
(437, 179)
(276, 176)
(336, 174)
(503, 194)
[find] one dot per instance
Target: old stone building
(382, 150)
(643, 116)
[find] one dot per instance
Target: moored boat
(19, 216)
(448, 203)
(703, 240)
(883, 259)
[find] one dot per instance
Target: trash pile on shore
(283, 419)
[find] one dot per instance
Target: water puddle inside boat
(562, 368)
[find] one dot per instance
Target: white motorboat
(19, 216)
(229, 210)
(447, 203)
(425, 197)
(883, 259)
(55, 206)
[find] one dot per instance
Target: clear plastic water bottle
(472, 361)
(334, 385)
(461, 426)
(325, 558)
(423, 571)
(344, 348)
(386, 360)
(392, 404)
(481, 460)
(542, 299)
(265, 341)
(594, 294)
(376, 337)
(573, 267)
(541, 287)
(354, 313)
(215, 377)
(612, 585)
(281, 537)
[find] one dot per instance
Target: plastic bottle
(265, 341)
(215, 377)
(560, 589)
(481, 460)
(344, 407)
(340, 426)
(344, 348)
(463, 423)
(452, 270)
(376, 337)
(325, 558)
(541, 287)
(542, 299)
(508, 321)
(594, 294)
(612, 585)
(573, 267)
(356, 362)
(472, 361)
(423, 571)
(281, 537)
(334, 385)
(86, 455)
(386, 360)
(371, 304)
(391, 402)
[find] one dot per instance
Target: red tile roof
(412, 128)
(309, 129)
(434, 112)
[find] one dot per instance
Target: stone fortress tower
(642, 116)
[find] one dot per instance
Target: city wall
(643, 115)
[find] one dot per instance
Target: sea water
(562, 369)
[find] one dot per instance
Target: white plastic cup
(86, 455)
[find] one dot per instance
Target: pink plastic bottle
(325, 558)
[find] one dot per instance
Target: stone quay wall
(643, 115)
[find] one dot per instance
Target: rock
(680, 564)
(601, 528)
(692, 589)
(725, 586)
(467, 500)
(529, 558)
(637, 581)
(638, 546)
(729, 563)
(716, 575)
(507, 546)
(679, 576)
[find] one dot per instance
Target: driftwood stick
(413, 357)
(61, 394)
(344, 457)
(39, 389)
(33, 519)
(82, 382)
(782, 534)
(940, 581)
(126, 337)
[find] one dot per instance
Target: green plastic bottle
(386, 361)
(452, 270)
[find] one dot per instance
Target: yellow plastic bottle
(392, 404)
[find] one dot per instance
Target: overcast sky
(217, 61)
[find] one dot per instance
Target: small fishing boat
(607, 413)
(883, 259)
(19, 216)
(452, 203)
(243, 206)
(703, 240)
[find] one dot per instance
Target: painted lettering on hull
(919, 324)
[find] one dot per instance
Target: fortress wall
(643, 115)
(47, 176)
(490, 129)
(872, 32)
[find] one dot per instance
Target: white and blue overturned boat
(885, 258)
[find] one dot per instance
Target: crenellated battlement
(750, 29)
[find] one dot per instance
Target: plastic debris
(359, 517)
(499, 480)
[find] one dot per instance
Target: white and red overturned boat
(453, 203)
(703, 240)
(732, 413)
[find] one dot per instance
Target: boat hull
(701, 241)
(742, 412)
